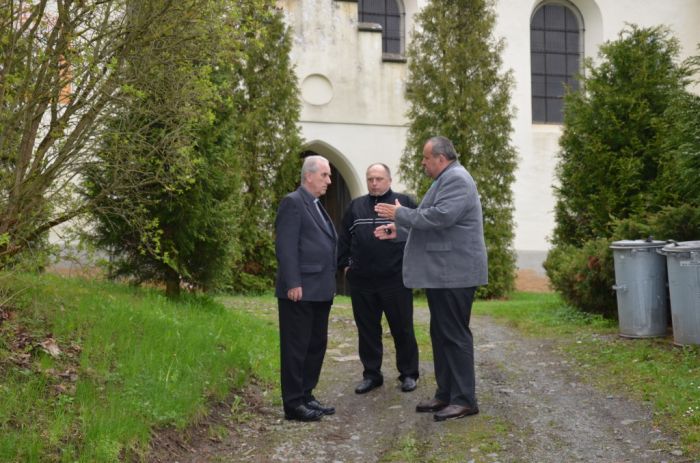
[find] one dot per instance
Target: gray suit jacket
(305, 248)
(445, 246)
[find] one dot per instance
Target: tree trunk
(172, 284)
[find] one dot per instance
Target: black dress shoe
(408, 384)
(302, 413)
(452, 412)
(316, 405)
(432, 405)
(367, 385)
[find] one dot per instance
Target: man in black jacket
(373, 270)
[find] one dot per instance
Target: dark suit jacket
(306, 249)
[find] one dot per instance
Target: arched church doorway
(336, 200)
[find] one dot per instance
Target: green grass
(133, 361)
(139, 361)
(543, 314)
(652, 370)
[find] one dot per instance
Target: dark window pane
(393, 46)
(373, 18)
(392, 7)
(537, 63)
(572, 64)
(554, 17)
(393, 24)
(555, 87)
(374, 6)
(556, 64)
(572, 42)
(571, 21)
(538, 88)
(555, 41)
(537, 40)
(538, 19)
(555, 108)
(538, 110)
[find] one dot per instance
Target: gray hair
(311, 165)
(382, 165)
(442, 145)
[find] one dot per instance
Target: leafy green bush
(629, 163)
(615, 134)
(584, 275)
(678, 223)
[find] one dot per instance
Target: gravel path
(535, 407)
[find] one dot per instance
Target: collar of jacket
(385, 196)
(449, 166)
(306, 194)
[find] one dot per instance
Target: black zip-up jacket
(371, 260)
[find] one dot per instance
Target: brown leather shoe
(432, 405)
(452, 412)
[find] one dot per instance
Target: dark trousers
(303, 339)
(396, 302)
(453, 345)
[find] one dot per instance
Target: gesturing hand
(385, 232)
(387, 211)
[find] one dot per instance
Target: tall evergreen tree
(624, 171)
(615, 134)
(267, 138)
(218, 105)
(456, 89)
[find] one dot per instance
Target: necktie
(322, 215)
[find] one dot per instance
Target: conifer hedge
(456, 88)
(628, 164)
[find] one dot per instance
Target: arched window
(387, 14)
(555, 59)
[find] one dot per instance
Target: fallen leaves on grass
(50, 346)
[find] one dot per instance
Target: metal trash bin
(683, 260)
(640, 286)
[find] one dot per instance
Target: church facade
(351, 68)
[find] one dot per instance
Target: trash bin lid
(637, 244)
(683, 246)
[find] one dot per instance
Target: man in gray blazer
(305, 245)
(445, 253)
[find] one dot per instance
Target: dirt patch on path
(529, 280)
(535, 407)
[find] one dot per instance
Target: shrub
(615, 135)
(629, 163)
(584, 275)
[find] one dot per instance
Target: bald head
(378, 179)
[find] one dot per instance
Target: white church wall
(364, 89)
(537, 144)
(353, 147)
(354, 107)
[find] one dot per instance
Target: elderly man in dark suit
(305, 245)
(445, 253)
